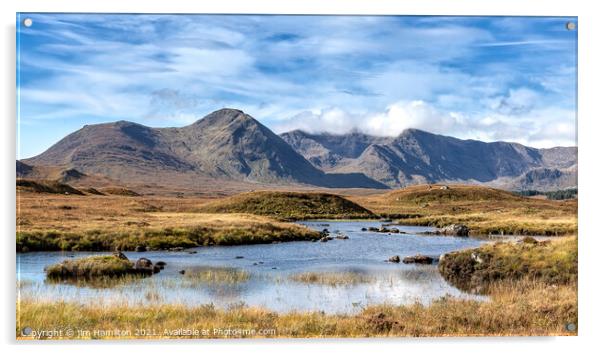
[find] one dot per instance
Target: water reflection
(339, 276)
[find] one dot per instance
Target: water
(270, 267)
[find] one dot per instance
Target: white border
(589, 160)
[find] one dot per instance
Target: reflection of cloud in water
(268, 283)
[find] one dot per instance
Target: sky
(485, 78)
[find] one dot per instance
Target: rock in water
(418, 259)
(395, 259)
(144, 266)
(459, 230)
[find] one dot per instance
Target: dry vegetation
(332, 278)
(550, 262)
(70, 222)
(516, 308)
(290, 205)
(207, 275)
(483, 210)
(532, 287)
(90, 267)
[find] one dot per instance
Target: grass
(525, 307)
(549, 262)
(236, 232)
(332, 278)
(290, 205)
(483, 210)
(95, 223)
(90, 267)
(216, 275)
(119, 191)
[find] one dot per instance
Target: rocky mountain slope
(417, 156)
(227, 144)
(231, 146)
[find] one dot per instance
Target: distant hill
(421, 194)
(46, 186)
(289, 205)
(229, 148)
(225, 145)
(60, 174)
(416, 157)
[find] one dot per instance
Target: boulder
(395, 259)
(157, 269)
(372, 229)
(161, 264)
(143, 266)
(459, 230)
(418, 259)
(325, 239)
(342, 236)
(364, 229)
(140, 248)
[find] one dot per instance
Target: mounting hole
(570, 26)
(27, 22)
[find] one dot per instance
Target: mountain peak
(224, 116)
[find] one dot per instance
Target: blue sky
(487, 78)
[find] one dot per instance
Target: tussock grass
(90, 267)
(550, 262)
(290, 205)
(483, 210)
(525, 307)
(216, 275)
(332, 278)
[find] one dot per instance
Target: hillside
(484, 210)
(228, 147)
(46, 186)
(61, 175)
(290, 205)
(225, 145)
(416, 157)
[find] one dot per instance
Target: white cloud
(377, 74)
(531, 129)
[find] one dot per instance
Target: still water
(269, 268)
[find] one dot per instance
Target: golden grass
(483, 210)
(527, 308)
(55, 222)
(552, 262)
(216, 275)
(90, 267)
(290, 205)
(332, 278)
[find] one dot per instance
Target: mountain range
(230, 145)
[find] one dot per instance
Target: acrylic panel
(280, 176)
